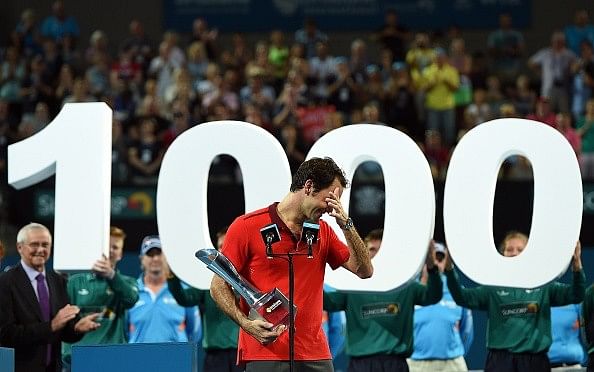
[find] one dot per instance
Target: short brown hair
(376, 234)
(116, 232)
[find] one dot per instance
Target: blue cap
(150, 242)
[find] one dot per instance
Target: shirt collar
(31, 272)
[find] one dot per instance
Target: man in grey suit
(35, 316)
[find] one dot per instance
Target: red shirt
(245, 249)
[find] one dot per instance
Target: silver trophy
(272, 306)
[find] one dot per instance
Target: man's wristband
(349, 224)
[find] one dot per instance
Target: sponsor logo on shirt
(502, 293)
(83, 292)
(379, 309)
(519, 309)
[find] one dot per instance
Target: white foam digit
(76, 146)
(409, 202)
(181, 192)
(470, 192)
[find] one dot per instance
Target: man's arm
(471, 298)
(359, 262)
(564, 294)
(125, 290)
(184, 296)
(225, 299)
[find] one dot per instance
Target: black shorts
(503, 360)
(378, 363)
(221, 360)
(283, 366)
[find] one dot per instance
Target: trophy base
(273, 308)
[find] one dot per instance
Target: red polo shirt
(245, 249)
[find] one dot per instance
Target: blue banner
(342, 15)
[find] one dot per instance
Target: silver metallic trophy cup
(272, 306)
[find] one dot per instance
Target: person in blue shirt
(443, 332)
(567, 350)
(58, 25)
(157, 317)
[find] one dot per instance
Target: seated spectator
(197, 62)
(97, 75)
(374, 89)
(33, 123)
(65, 86)
(181, 87)
(260, 62)
(222, 94)
(494, 93)
(256, 92)
(27, 32)
(208, 37)
(12, 73)
(138, 44)
(36, 86)
(98, 45)
(126, 70)
(180, 122)
(322, 68)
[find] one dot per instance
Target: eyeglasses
(36, 245)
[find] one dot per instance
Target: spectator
(462, 61)
(126, 71)
(392, 35)
(563, 125)
(441, 80)
(543, 112)
(98, 75)
(180, 122)
(278, 57)
(293, 144)
(36, 86)
(98, 45)
(585, 129)
(322, 69)
(59, 25)
(145, 154)
(506, 46)
(33, 123)
(380, 324)
(400, 102)
(436, 153)
(119, 151)
(342, 90)
(11, 75)
(420, 56)
(358, 61)
(104, 290)
(257, 92)
(443, 332)
(36, 315)
(161, 68)
(309, 36)
(80, 92)
(494, 93)
(197, 62)
(524, 97)
(580, 31)
(554, 65)
(261, 62)
(208, 37)
(479, 110)
(374, 90)
(139, 45)
(156, 316)
(583, 79)
(28, 33)
(65, 86)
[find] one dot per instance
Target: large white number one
(470, 192)
(76, 146)
(183, 181)
(410, 201)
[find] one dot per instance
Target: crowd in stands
(428, 85)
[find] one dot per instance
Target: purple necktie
(44, 304)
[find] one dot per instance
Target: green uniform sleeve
(334, 301)
(185, 296)
(432, 292)
(470, 298)
(125, 290)
(564, 294)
